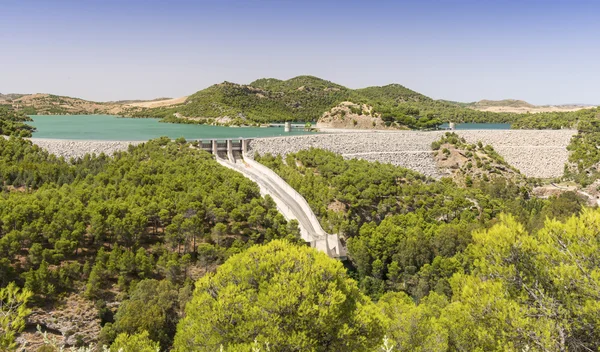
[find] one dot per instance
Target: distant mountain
(520, 106)
(127, 102)
(9, 97)
(299, 83)
(302, 98)
(506, 102)
(49, 104)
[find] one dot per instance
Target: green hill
(303, 98)
(300, 83)
(10, 97)
(393, 92)
(50, 104)
(307, 98)
(505, 102)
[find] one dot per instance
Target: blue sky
(545, 52)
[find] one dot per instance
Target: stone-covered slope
(467, 163)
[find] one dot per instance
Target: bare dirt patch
(70, 320)
(337, 206)
(159, 103)
(47, 104)
(523, 107)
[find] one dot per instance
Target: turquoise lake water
(479, 126)
(106, 127)
(111, 128)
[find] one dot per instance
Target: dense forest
(406, 232)
(167, 250)
(511, 289)
(114, 229)
(580, 119)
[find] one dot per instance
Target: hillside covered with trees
(302, 99)
(406, 232)
(109, 230)
(307, 98)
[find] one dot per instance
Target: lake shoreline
(112, 128)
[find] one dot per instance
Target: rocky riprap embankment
(537, 153)
(78, 148)
(408, 149)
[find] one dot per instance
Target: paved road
(271, 185)
(288, 202)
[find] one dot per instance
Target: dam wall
(536, 153)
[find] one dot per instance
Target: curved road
(277, 192)
(289, 205)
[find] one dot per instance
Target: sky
(544, 52)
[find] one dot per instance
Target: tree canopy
(13, 311)
(293, 298)
(406, 232)
(137, 342)
(12, 122)
(102, 226)
(520, 291)
(152, 307)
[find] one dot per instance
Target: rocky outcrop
(466, 163)
(351, 116)
(71, 321)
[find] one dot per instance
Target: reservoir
(111, 128)
(479, 126)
